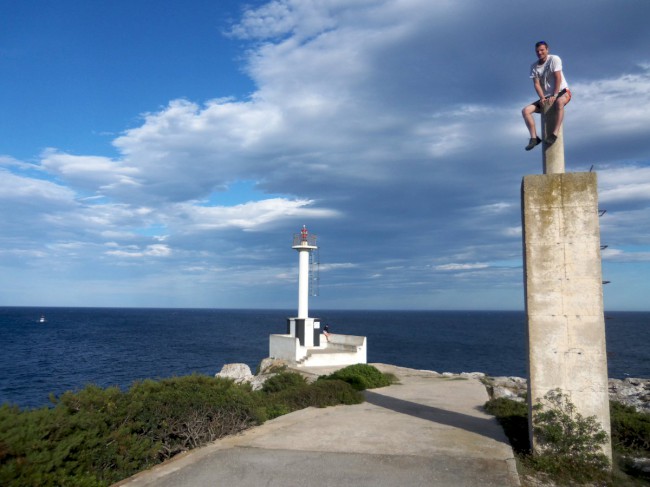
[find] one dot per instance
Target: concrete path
(425, 431)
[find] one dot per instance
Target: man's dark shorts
(565, 91)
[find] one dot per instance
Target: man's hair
(541, 43)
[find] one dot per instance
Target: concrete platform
(425, 431)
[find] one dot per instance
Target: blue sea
(113, 346)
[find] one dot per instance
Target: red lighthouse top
(304, 239)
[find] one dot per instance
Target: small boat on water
(42, 319)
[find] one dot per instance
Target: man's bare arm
(538, 88)
(558, 81)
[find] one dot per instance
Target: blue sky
(163, 153)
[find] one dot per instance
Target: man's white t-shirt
(545, 74)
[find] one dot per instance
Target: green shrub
(361, 377)
(322, 394)
(319, 394)
(274, 409)
(96, 437)
(570, 445)
(513, 417)
(630, 429)
(282, 381)
(84, 440)
(182, 413)
(504, 407)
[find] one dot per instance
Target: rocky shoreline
(631, 391)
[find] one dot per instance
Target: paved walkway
(425, 431)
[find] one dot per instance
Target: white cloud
(392, 126)
(33, 192)
(625, 183)
(496, 208)
(283, 17)
(12, 163)
(93, 173)
(611, 107)
(619, 255)
(462, 267)
(512, 231)
(158, 250)
(334, 266)
(247, 216)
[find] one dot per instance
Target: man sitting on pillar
(551, 87)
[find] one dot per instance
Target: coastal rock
(631, 392)
(472, 375)
(271, 365)
(267, 368)
(258, 381)
(238, 372)
(241, 373)
(514, 388)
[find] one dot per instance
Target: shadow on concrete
(489, 428)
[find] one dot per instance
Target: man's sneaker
(550, 140)
(533, 142)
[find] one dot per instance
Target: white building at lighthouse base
(305, 345)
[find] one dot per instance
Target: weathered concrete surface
(552, 156)
(425, 431)
(564, 297)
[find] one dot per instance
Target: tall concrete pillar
(553, 156)
(564, 299)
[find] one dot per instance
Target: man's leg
(559, 112)
(527, 112)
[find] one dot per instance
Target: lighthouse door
(316, 332)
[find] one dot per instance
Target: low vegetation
(630, 429)
(513, 417)
(362, 376)
(570, 444)
(95, 437)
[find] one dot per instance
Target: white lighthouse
(304, 328)
(305, 244)
(303, 344)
